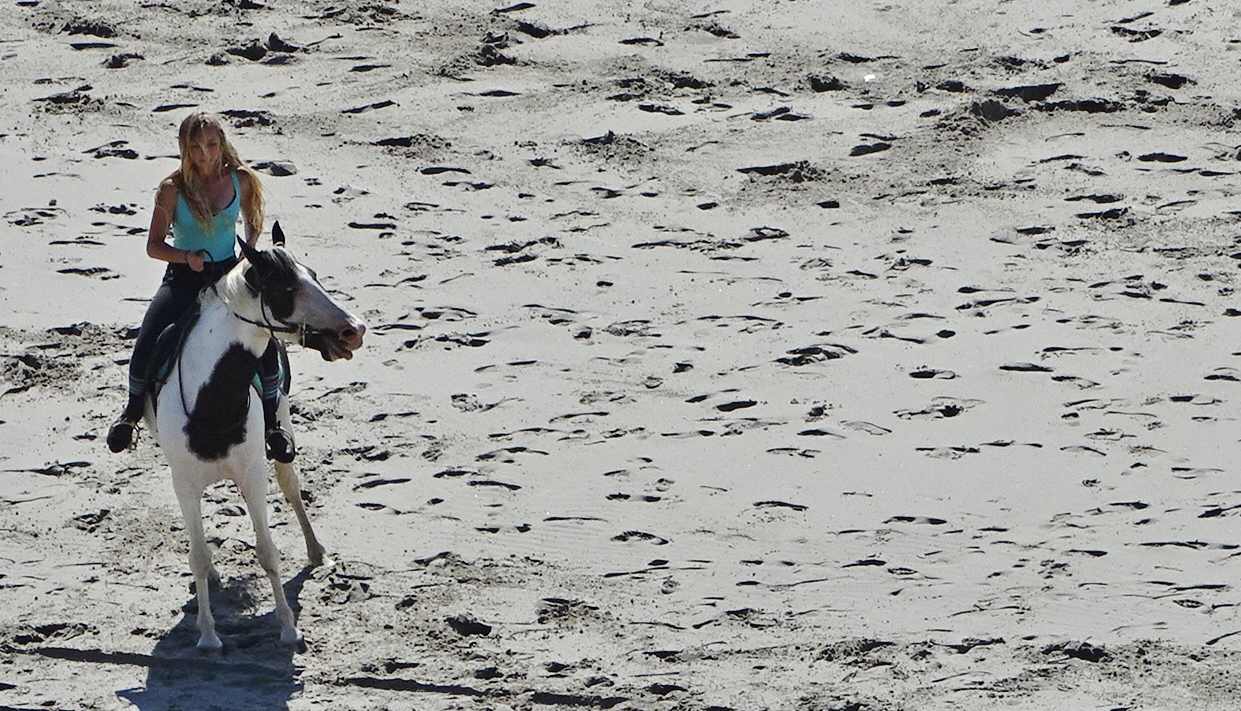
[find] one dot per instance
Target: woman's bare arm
(161, 221)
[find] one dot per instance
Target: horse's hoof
(291, 637)
(318, 558)
(210, 644)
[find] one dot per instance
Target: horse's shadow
(253, 671)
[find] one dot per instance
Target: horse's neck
(238, 302)
(218, 330)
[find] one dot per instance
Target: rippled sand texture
(780, 355)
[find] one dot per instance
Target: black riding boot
(279, 441)
(121, 433)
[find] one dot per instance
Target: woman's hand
(196, 260)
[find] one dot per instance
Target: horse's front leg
(200, 564)
(254, 490)
(286, 476)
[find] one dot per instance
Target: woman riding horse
(200, 202)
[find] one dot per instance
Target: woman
(200, 202)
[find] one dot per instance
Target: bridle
(271, 325)
(299, 331)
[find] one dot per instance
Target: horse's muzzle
(333, 345)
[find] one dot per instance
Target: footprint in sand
(925, 373)
(940, 408)
(640, 537)
(807, 355)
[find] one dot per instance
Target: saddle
(170, 344)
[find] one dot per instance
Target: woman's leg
(280, 445)
(171, 300)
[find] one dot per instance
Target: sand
(748, 355)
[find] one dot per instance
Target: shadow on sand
(254, 670)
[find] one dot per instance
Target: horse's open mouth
(332, 345)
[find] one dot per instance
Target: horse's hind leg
(254, 490)
(200, 565)
(287, 478)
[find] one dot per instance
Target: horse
(208, 418)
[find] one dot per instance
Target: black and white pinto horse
(209, 419)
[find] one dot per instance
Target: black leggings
(175, 296)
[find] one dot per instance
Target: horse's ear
(251, 255)
(247, 251)
(277, 234)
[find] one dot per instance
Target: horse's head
(294, 305)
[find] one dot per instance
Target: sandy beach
(791, 354)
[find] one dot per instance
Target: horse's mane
(226, 288)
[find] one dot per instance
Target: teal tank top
(221, 241)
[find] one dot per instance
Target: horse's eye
(278, 290)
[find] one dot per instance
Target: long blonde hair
(189, 182)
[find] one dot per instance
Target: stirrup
(280, 445)
(121, 435)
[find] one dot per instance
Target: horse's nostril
(353, 335)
